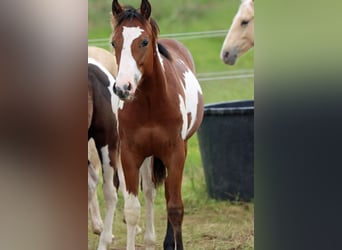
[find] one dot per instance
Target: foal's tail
(159, 171)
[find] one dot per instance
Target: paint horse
(162, 108)
(107, 60)
(240, 37)
(102, 128)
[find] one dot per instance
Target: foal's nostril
(225, 54)
(128, 87)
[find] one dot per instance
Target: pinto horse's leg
(110, 196)
(175, 209)
(132, 205)
(149, 191)
(93, 203)
(92, 182)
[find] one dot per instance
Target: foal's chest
(151, 135)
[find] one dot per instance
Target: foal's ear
(145, 9)
(116, 8)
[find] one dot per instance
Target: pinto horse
(162, 107)
(106, 60)
(240, 37)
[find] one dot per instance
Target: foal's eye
(244, 23)
(113, 44)
(144, 43)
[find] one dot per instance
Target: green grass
(208, 224)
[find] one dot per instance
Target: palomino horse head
(134, 41)
(240, 37)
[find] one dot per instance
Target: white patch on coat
(128, 68)
(182, 109)
(115, 101)
(192, 88)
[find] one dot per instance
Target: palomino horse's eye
(113, 44)
(244, 23)
(144, 43)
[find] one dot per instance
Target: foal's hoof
(169, 246)
(97, 231)
(97, 228)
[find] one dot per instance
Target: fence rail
(225, 75)
(178, 36)
(202, 77)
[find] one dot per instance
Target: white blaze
(128, 69)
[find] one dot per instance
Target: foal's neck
(155, 84)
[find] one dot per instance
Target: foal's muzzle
(124, 92)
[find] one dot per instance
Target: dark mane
(163, 51)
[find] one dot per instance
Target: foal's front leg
(123, 189)
(131, 166)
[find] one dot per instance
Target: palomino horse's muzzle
(228, 58)
(229, 55)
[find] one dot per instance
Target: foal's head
(240, 37)
(135, 42)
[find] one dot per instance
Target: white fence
(202, 77)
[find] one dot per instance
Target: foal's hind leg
(149, 191)
(110, 196)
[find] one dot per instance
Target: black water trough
(226, 139)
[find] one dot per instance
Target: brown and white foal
(162, 108)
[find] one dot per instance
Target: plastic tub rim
(212, 109)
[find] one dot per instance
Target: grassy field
(208, 224)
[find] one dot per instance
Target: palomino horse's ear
(116, 8)
(145, 9)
